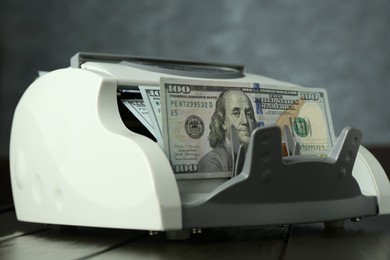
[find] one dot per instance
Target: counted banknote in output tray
(197, 116)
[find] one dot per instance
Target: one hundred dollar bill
(197, 116)
(138, 108)
(151, 97)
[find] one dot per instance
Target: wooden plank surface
(234, 243)
(34, 241)
(367, 239)
(10, 227)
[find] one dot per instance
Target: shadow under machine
(78, 157)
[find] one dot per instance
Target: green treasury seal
(301, 127)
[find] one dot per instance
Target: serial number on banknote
(191, 104)
(313, 147)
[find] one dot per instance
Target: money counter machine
(79, 158)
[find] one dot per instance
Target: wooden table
(367, 239)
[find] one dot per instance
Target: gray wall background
(342, 46)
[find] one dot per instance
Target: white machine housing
(74, 162)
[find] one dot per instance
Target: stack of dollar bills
(192, 120)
